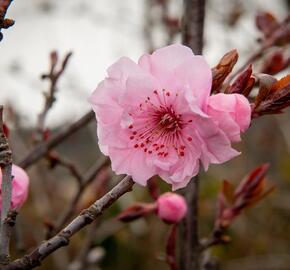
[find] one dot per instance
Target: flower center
(157, 127)
(170, 122)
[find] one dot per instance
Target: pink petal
(166, 58)
(216, 147)
(232, 113)
(138, 88)
(164, 61)
(131, 162)
(122, 69)
(196, 75)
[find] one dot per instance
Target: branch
(189, 251)
(6, 192)
(88, 178)
(56, 160)
(42, 148)
(53, 77)
(193, 24)
(4, 23)
(62, 238)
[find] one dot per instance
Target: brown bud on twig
(223, 69)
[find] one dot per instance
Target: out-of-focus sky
(98, 33)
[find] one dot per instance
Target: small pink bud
(20, 185)
(171, 207)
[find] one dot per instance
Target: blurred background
(98, 33)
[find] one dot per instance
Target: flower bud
(171, 207)
(20, 183)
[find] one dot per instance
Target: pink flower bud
(171, 207)
(20, 185)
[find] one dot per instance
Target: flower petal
(196, 75)
(216, 147)
(131, 162)
(232, 113)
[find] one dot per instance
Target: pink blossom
(171, 207)
(20, 185)
(157, 117)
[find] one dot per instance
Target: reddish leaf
(254, 176)
(266, 22)
(228, 191)
(136, 211)
(46, 134)
(250, 191)
(282, 83)
(241, 82)
(171, 22)
(277, 100)
(265, 84)
(223, 69)
(5, 130)
(274, 63)
(280, 36)
(249, 87)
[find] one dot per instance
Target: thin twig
(6, 193)
(88, 178)
(53, 76)
(42, 148)
(83, 219)
(4, 23)
(56, 160)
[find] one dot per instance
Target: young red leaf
(5, 130)
(274, 63)
(250, 191)
(277, 100)
(266, 22)
(282, 83)
(248, 88)
(228, 191)
(265, 82)
(241, 82)
(223, 69)
(136, 211)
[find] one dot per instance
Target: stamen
(158, 126)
